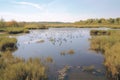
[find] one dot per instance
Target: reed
(110, 45)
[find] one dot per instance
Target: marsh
(69, 40)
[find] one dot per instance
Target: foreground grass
(110, 45)
(12, 68)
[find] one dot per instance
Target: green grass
(16, 30)
(2, 29)
(35, 26)
(3, 35)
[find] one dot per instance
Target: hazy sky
(58, 10)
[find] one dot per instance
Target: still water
(56, 43)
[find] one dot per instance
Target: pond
(68, 49)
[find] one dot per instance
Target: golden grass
(110, 45)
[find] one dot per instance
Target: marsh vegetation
(109, 45)
(99, 32)
(13, 68)
(7, 43)
(56, 42)
(61, 47)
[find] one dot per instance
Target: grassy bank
(7, 43)
(73, 25)
(13, 30)
(110, 46)
(99, 32)
(16, 30)
(35, 26)
(13, 68)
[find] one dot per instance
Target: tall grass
(110, 45)
(12, 68)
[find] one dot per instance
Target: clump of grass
(71, 51)
(7, 43)
(49, 59)
(12, 68)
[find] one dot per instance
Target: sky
(58, 10)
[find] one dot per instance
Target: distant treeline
(99, 21)
(111, 22)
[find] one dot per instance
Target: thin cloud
(30, 4)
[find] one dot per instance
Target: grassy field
(73, 25)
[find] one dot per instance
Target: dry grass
(110, 45)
